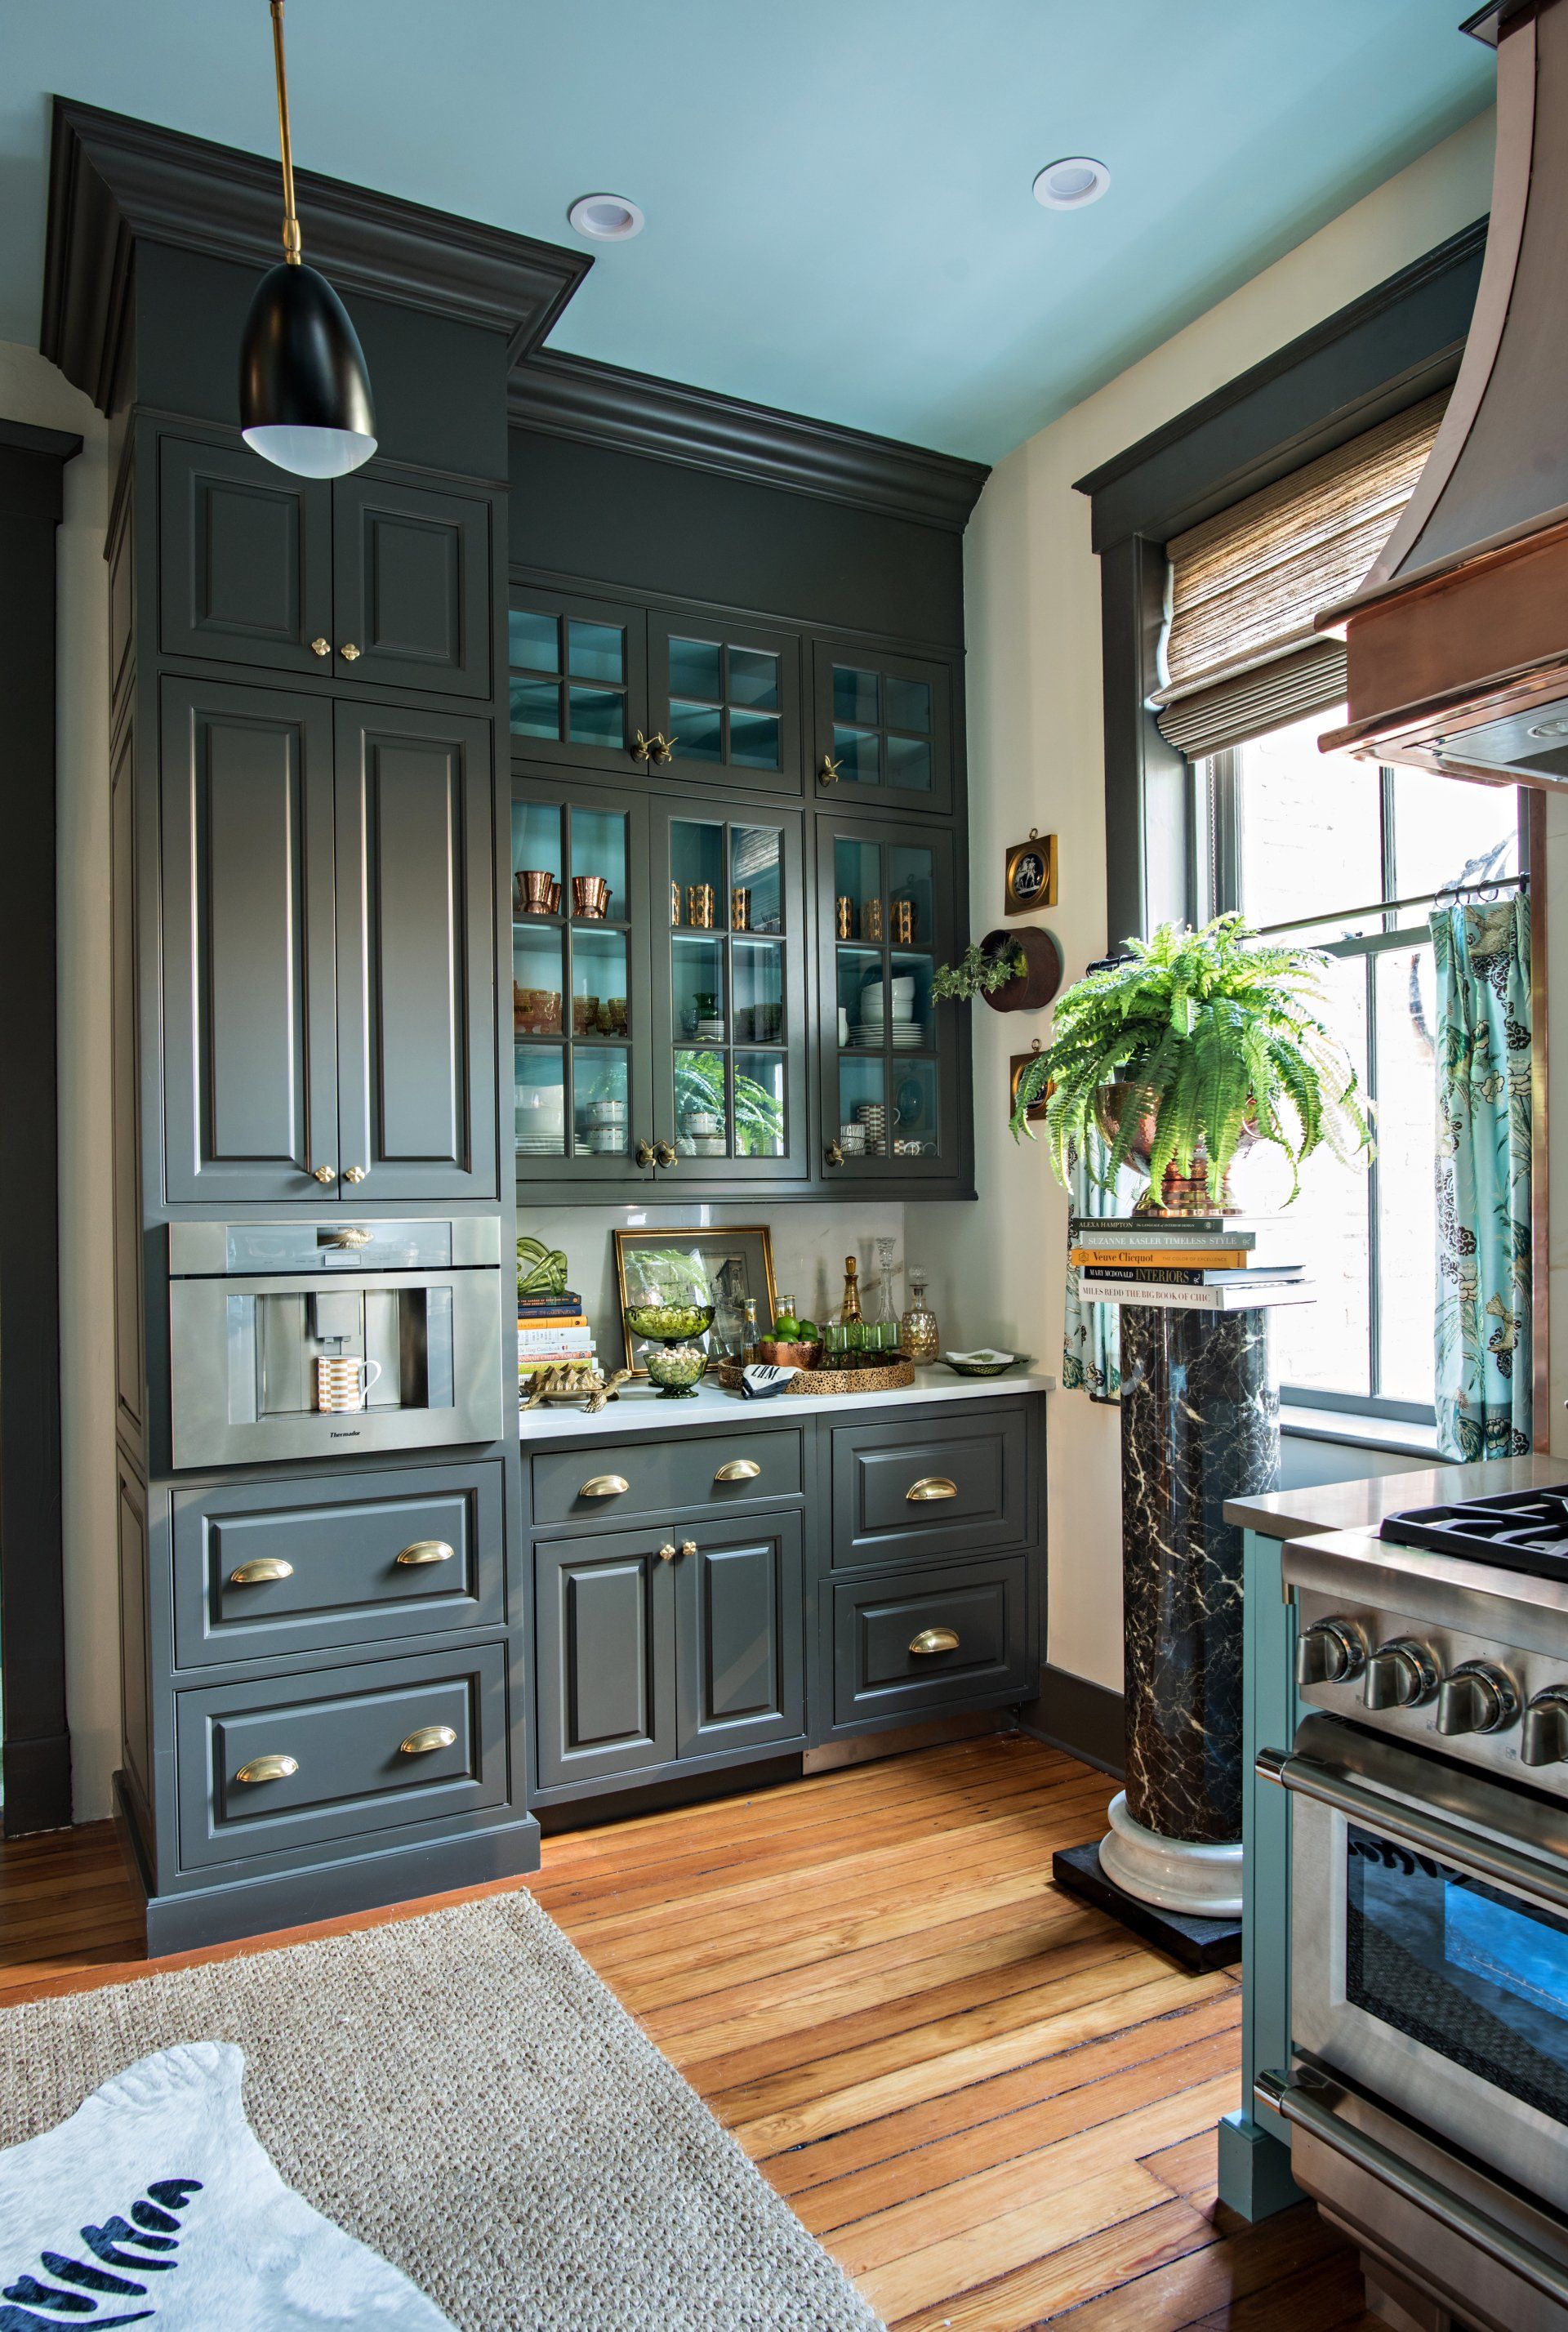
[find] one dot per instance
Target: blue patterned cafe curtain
(1092, 1336)
(1482, 956)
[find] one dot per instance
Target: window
(1346, 859)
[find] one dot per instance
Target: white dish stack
(872, 1008)
(540, 1121)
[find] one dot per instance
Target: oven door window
(1477, 1975)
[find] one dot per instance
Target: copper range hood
(1457, 640)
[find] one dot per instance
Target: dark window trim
(1386, 350)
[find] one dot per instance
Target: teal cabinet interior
(881, 728)
(730, 1619)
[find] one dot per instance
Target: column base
(1203, 1881)
(1198, 1945)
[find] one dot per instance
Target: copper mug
(590, 898)
(343, 1382)
(904, 923)
(535, 892)
(700, 906)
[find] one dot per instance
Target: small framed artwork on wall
(1030, 879)
(1020, 1062)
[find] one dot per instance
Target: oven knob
(1477, 1698)
(1399, 1675)
(1544, 1740)
(1331, 1651)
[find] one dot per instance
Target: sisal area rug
(463, 2094)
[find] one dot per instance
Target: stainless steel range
(1429, 1978)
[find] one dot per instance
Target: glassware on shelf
(919, 1337)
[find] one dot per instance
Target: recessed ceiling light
(1069, 184)
(605, 219)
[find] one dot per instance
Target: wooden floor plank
(992, 2104)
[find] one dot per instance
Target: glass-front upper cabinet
(578, 681)
(889, 1067)
(582, 1089)
(729, 982)
(882, 729)
(724, 703)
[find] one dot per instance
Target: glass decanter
(919, 1337)
(887, 1324)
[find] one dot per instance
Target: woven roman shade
(1239, 655)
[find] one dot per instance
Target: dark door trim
(32, 1727)
(1386, 350)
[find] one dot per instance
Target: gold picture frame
(1029, 879)
(1020, 1062)
(702, 1250)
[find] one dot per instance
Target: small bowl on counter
(675, 1369)
(778, 1353)
(984, 1363)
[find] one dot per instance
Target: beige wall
(32, 390)
(1033, 627)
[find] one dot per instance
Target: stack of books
(1197, 1263)
(552, 1330)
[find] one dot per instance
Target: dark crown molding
(114, 182)
(634, 413)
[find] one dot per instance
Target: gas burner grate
(1519, 1530)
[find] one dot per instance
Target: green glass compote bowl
(676, 1373)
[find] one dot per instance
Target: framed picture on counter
(723, 1268)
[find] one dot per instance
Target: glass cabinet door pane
(759, 984)
(697, 731)
(912, 885)
(725, 703)
(598, 855)
(696, 670)
(698, 981)
(536, 980)
(702, 1109)
(600, 1123)
(856, 695)
(536, 859)
(533, 640)
(573, 676)
(859, 753)
(756, 878)
(754, 740)
(857, 888)
(915, 1128)
(753, 679)
(760, 1104)
(908, 703)
(540, 1101)
(912, 1015)
(884, 730)
(600, 1005)
(595, 652)
(883, 1065)
(535, 707)
(861, 1131)
(909, 763)
(862, 1002)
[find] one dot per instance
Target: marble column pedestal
(1199, 1425)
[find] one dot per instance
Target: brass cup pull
(322, 647)
(355, 1173)
(739, 1469)
(325, 1173)
(604, 1485)
(265, 1567)
(348, 652)
(663, 1154)
(668, 1551)
(428, 1737)
(934, 1639)
(688, 1546)
(424, 1549)
(268, 1769)
(930, 1486)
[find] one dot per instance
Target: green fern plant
(1216, 1037)
(975, 974)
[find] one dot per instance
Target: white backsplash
(810, 1242)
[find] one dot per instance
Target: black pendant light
(305, 397)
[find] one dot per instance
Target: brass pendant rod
(291, 220)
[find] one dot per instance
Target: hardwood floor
(989, 2102)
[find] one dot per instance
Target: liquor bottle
(850, 1307)
(748, 1335)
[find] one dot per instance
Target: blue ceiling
(840, 219)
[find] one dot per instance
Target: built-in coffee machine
(291, 1340)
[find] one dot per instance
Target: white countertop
(640, 1409)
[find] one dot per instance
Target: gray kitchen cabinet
(883, 729)
(658, 1646)
(340, 580)
(328, 964)
(917, 1642)
(958, 1488)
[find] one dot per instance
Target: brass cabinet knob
(355, 1173)
(739, 1469)
(325, 1173)
(645, 1154)
(934, 1639)
(348, 652)
(930, 1486)
(604, 1485)
(268, 1769)
(421, 1551)
(828, 774)
(688, 1546)
(320, 647)
(662, 749)
(640, 748)
(426, 1737)
(833, 1155)
(663, 1154)
(668, 1551)
(265, 1567)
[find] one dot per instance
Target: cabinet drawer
(919, 1488)
(658, 1476)
(364, 1560)
(890, 1657)
(352, 1736)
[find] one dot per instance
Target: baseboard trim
(37, 1785)
(1087, 1719)
(863, 1747)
